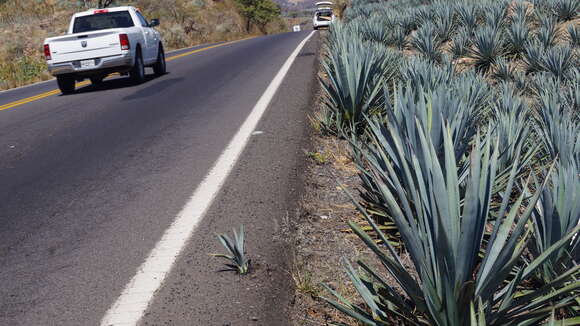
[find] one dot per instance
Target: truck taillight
(47, 52)
(124, 39)
(101, 11)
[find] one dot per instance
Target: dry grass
(323, 237)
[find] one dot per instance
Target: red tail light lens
(124, 39)
(100, 11)
(47, 52)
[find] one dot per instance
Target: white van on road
(324, 15)
(104, 41)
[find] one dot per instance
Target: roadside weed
(236, 254)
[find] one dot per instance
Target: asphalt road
(89, 183)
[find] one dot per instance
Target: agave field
(464, 120)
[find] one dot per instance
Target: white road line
(137, 295)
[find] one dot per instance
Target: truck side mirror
(154, 22)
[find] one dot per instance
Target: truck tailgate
(83, 46)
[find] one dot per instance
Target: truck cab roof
(104, 10)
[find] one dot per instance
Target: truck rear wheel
(138, 72)
(160, 67)
(66, 84)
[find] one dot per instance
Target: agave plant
(533, 56)
(442, 223)
(461, 43)
(566, 9)
(374, 29)
(422, 74)
(407, 23)
(413, 106)
(474, 91)
(444, 22)
(516, 37)
(559, 61)
(574, 35)
(520, 13)
(557, 213)
(548, 32)
(487, 48)
(428, 43)
(399, 39)
(423, 15)
(460, 102)
(468, 16)
(511, 127)
(495, 16)
(520, 81)
(324, 121)
(558, 130)
(571, 94)
(356, 74)
(238, 260)
(502, 70)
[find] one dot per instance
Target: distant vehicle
(324, 14)
(104, 41)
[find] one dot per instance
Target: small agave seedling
(238, 260)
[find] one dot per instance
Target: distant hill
(296, 4)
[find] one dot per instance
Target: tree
(100, 3)
(105, 3)
(258, 12)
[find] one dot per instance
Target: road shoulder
(262, 193)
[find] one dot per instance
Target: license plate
(87, 63)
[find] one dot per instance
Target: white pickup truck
(104, 41)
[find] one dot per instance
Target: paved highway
(91, 185)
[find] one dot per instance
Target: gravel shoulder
(262, 193)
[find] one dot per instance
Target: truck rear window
(96, 22)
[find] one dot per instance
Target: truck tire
(160, 67)
(137, 74)
(66, 84)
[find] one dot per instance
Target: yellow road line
(84, 83)
(36, 97)
(206, 48)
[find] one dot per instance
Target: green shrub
(20, 71)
